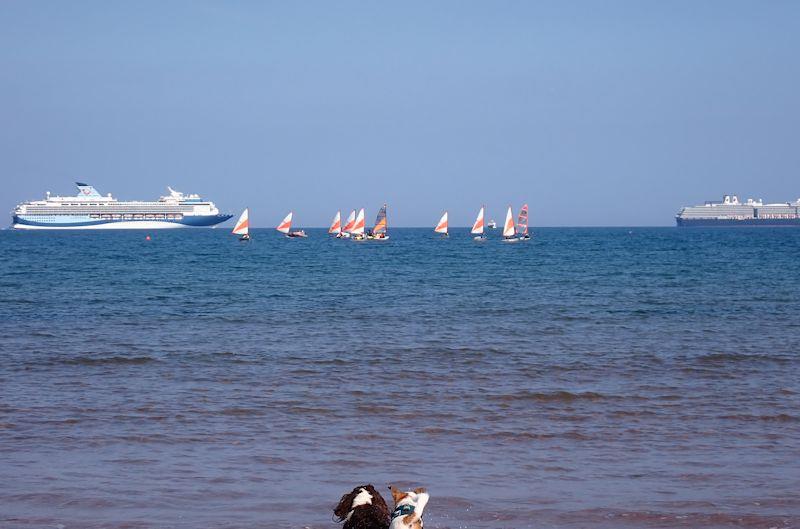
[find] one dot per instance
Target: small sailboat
(508, 228)
(477, 228)
(347, 229)
(357, 231)
(522, 224)
(380, 232)
(442, 226)
(286, 226)
(336, 225)
(242, 228)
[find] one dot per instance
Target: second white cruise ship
(91, 210)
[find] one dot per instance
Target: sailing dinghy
(508, 228)
(286, 226)
(442, 226)
(477, 228)
(242, 228)
(347, 229)
(357, 231)
(522, 224)
(380, 232)
(336, 225)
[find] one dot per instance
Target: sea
(588, 378)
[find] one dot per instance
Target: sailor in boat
(242, 227)
(298, 233)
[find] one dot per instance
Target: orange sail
(477, 228)
(442, 226)
(336, 225)
(351, 221)
(508, 227)
(380, 222)
(243, 224)
(286, 225)
(358, 227)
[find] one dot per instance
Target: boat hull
(87, 223)
(710, 222)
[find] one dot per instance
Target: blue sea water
(623, 377)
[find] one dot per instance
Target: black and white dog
(363, 508)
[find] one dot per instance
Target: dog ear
(397, 495)
(341, 510)
(420, 490)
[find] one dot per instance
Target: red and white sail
(286, 225)
(351, 221)
(522, 220)
(336, 225)
(477, 228)
(442, 226)
(243, 224)
(508, 227)
(358, 227)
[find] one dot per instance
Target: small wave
(376, 409)
(532, 436)
(302, 371)
(434, 430)
(271, 460)
(109, 360)
(688, 519)
(311, 410)
(553, 396)
(723, 358)
(241, 411)
(781, 417)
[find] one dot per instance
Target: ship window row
(132, 209)
(117, 204)
(777, 216)
(127, 216)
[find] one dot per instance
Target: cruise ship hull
(87, 223)
(736, 222)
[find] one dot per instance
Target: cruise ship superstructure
(91, 210)
(731, 212)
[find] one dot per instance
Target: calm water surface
(590, 378)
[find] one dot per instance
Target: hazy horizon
(595, 115)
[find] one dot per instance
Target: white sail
(358, 227)
(286, 225)
(508, 227)
(442, 226)
(336, 225)
(242, 226)
(477, 228)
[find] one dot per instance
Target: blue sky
(595, 113)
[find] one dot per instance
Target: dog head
(408, 508)
(363, 507)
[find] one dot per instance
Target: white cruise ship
(89, 210)
(731, 212)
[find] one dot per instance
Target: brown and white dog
(362, 508)
(408, 507)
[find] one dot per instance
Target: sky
(595, 113)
